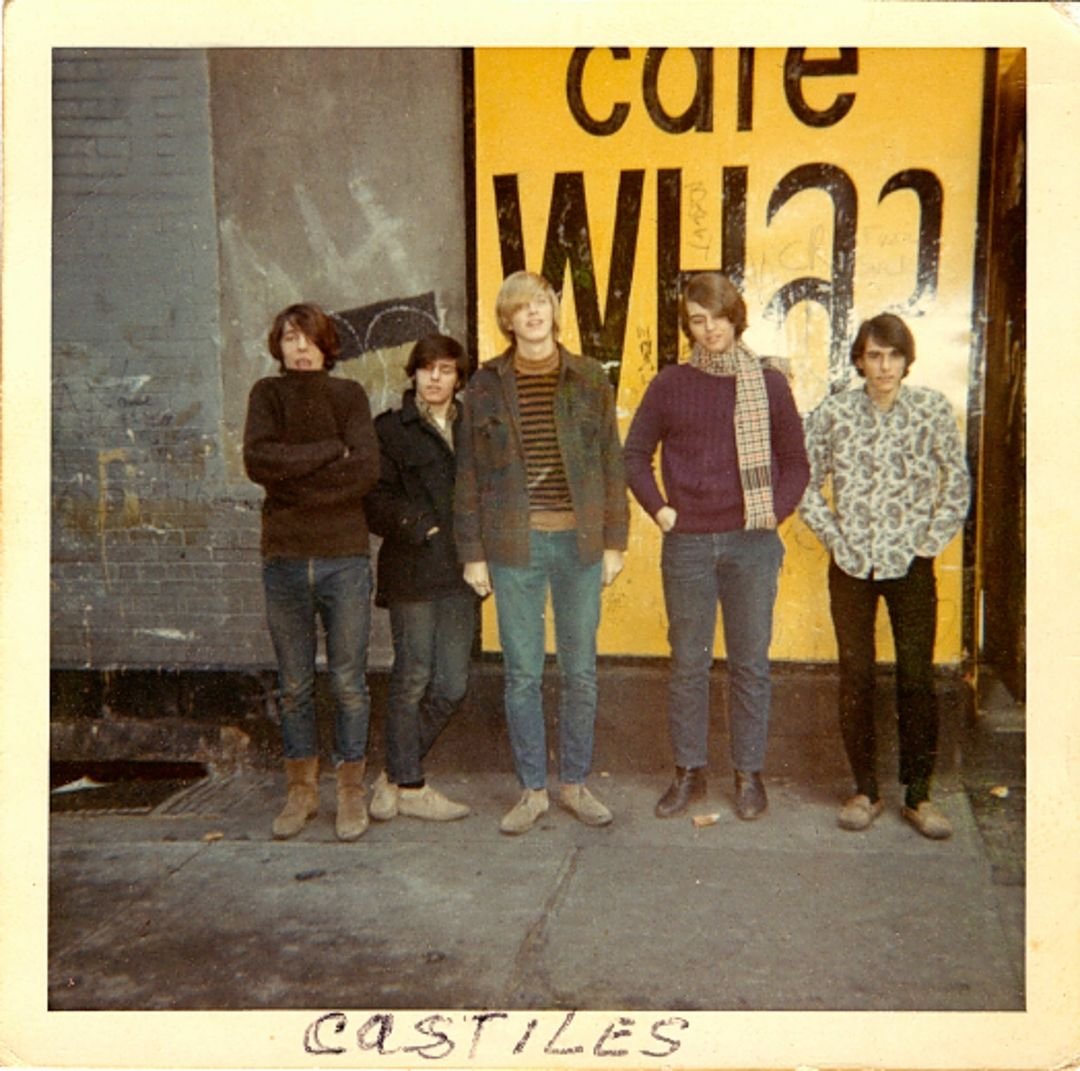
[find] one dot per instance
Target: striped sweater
(547, 485)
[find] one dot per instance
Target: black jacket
(415, 493)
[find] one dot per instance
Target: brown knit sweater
(299, 428)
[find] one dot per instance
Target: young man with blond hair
(541, 507)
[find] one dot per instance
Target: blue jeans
(338, 592)
(520, 595)
(739, 570)
(432, 648)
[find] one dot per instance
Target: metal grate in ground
(210, 797)
(134, 788)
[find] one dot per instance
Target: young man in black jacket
(432, 609)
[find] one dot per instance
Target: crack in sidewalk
(535, 938)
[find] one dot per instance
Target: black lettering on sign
(927, 187)
(797, 67)
(670, 272)
(508, 220)
(568, 243)
(699, 113)
(575, 72)
(836, 294)
(746, 89)
(733, 250)
(668, 263)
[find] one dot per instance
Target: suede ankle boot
(302, 797)
(352, 815)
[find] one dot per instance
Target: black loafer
(688, 786)
(750, 799)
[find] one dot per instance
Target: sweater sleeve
(361, 468)
(639, 452)
(788, 445)
(268, 458)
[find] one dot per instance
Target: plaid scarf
(752, 441)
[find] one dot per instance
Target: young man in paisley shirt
(900, 493)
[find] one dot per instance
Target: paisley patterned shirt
(900, 485)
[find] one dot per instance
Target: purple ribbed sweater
(690, 415)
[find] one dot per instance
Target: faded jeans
(432, 650)
(520, 596)
(739, 570)
(337, 591)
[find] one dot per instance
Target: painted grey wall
(195, 194)
(339, 179)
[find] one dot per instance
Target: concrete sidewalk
(193, 906)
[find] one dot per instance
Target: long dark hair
(315, 324)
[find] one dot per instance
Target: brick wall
(195, 194)
(155, 557)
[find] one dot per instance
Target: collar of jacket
(410, 409)
(411, 414)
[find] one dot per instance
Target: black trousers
(911, 601)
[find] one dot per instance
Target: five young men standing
(519, 489)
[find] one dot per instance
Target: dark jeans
(338, 592)
(912, 604)
(520, 596)
(739, 571)
(432, 648)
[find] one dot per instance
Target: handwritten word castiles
(435, 1037)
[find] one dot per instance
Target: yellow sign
(829, 184)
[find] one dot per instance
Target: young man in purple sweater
(733, 465)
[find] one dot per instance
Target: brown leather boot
(302, 799)
(688, 787)
(352, 815)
